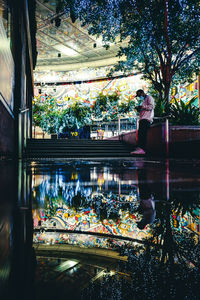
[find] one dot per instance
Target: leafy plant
(184, 113)
(113, 99)
(38, 110)
(77, 116)
(124, 107)
(52, 119)
(101, 105)
(50, 122)
(108, 107)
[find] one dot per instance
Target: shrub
(184, 113)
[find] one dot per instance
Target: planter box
(70, 133)
(183, 133)
(184, 141)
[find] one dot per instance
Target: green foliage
(181, 205)
(113, 98)
(79, 201)
(49, 122)
(179, 113)
(159, 110)
(184, 114)
(101, 105)
(52, 119)
(108, 106)
(77, 116)
(124, 108)
(38, 112)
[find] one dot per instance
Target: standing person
(148, 212)
(146, 111)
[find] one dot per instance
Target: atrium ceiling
(68, 46)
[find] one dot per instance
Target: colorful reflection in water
(87, 199)
(118, 200)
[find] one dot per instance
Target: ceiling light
(65, 50)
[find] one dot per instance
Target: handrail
(160, 118)
(23, 110)
(156, 118)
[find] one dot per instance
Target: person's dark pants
(144, 125)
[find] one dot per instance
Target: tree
(162, 37)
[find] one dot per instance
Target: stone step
(76, 148)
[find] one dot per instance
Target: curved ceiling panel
(68, 46)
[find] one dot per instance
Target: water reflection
(16, 231)
(88, 198)
(132, 227)
(148, 212)
(123, 199)
(6, 222)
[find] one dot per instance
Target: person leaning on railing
(146, 111)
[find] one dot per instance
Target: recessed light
(65, 50)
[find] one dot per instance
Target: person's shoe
(138, 151)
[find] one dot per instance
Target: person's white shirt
(147, 109)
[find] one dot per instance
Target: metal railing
(102, 130)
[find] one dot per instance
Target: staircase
(61, 148)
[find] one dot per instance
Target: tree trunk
(166, 91)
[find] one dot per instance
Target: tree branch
(185, 59)
(179, 55)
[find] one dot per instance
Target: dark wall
(156, 139)
(6, 131)
(15, 130)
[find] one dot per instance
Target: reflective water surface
(101, 229)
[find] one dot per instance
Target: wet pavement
(100, 229)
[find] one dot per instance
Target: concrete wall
(156, 139)
(184, 133)
(129, 138)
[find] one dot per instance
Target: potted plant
(184, 121)
(184, 113)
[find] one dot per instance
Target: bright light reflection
(66, 265)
